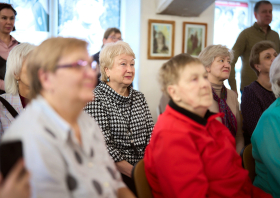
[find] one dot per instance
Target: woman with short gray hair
(121, 112)
(216, 59)
(265, 140)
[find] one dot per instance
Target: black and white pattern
(112, 112)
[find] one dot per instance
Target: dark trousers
(129, 183)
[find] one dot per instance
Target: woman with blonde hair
(63, 147)
(16, 85)
(216, 59)
(121, 112)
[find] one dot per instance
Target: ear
(208, 69)
(16, 77)
(107, 71)
(45, 79)
(104, 41)
(255, 14)
(257, 66)
(172, 90)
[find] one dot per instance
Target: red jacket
(189, 158)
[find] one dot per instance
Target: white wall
(148, 69)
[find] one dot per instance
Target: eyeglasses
(80, 64)
(115, 38)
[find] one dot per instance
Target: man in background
(111, 35)
(248, 38)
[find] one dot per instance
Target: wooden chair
(249, 161)
(140, 180)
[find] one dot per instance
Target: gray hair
(14, 64)
(274, 75)
(208, 55)
(108, 54)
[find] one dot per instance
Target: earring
(108, 79)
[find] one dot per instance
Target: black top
(196, 118)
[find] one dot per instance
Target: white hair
(14, 64)
(274, 75)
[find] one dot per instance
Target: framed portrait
(160, 39)
(194, 38)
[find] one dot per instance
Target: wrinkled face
(264, 14)
(74, 83)
(112, 38)
(7, 21)
(219, 69)
(193, 90)
(266, 59)
(123, 71)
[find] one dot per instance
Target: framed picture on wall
(194, 38)
(161, 39)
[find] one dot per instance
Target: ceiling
(187, 8)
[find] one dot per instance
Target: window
(88, 20)
(32, 20)
(84, 19)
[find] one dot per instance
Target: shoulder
(138, 94)
(26, 125)
(11, 98)
(231, 94)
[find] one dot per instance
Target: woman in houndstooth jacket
(121, 112)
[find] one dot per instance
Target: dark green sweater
(242, 47)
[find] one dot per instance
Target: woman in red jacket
(191, 154)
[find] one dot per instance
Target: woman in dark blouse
(258, 96)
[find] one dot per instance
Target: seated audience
(257, 96)
(63, 147)
(265, 140)
(121, 112)
(191, 153)
(16, 185)
(16, 85)
(216, 59)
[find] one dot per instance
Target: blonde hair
(208, 55)
(14, 65)
(169, 73)
(46, 57)
(108, 54)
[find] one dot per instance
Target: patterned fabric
(229, 119)
(5, 117)
(61, 167)
(112, 112)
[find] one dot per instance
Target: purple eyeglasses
(80, 64)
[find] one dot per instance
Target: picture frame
(160, 39)
(194, 38)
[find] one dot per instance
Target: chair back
(140, 180)
(249, 161)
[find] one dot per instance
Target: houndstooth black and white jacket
(112, 112)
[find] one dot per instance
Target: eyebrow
(126, 59)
